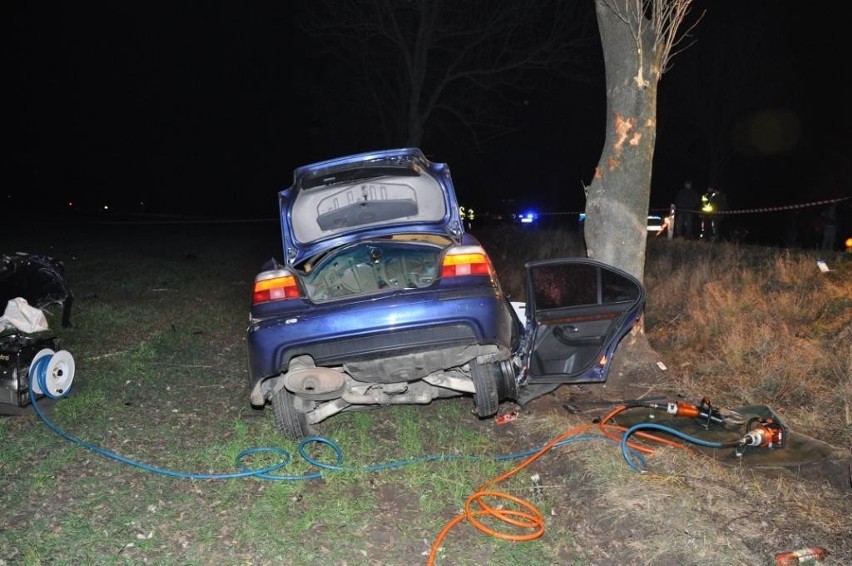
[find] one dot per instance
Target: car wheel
(485, 389)
(507, 385)
(289, 421)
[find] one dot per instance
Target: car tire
(486, 394)
(507, 386)
(288, 420)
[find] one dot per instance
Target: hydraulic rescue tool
(704, 413)
(762, 433)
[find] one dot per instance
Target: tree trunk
(616, 225)
(617, 199)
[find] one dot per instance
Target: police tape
(743, 211)
(772, 208)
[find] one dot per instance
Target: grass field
(148, 460)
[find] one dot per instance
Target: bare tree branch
(655, 27)
(422, 66)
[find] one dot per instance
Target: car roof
(366, 195)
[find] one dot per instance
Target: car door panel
(577, 311)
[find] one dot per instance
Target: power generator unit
(27, 362)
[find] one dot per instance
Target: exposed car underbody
(320, 392)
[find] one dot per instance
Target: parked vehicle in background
(654, 224)
(381, 297)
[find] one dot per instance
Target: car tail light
(275, 285)
(466, 260)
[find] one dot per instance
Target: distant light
(849, 245)
(106, 207)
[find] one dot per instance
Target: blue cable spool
(52, 373)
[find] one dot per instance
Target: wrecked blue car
(381, 297)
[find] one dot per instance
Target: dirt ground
(768, 503)
(691, 507)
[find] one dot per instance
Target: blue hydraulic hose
(39, 370)
(267, 472)
(433, 458)
(631, 455)
(112, 455)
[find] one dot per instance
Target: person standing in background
(713, 204)
(829, 227)
(687, 203)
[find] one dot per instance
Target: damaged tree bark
(638, 39)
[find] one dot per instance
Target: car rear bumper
(435, 332)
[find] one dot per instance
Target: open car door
(577, 311)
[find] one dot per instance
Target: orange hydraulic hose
(531, 518)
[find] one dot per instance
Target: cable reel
(52, 373)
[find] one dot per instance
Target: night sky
(197, 108)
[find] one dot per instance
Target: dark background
(200, 108)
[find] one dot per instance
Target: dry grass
(758, 326)
(741, 326)
(747, 325)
